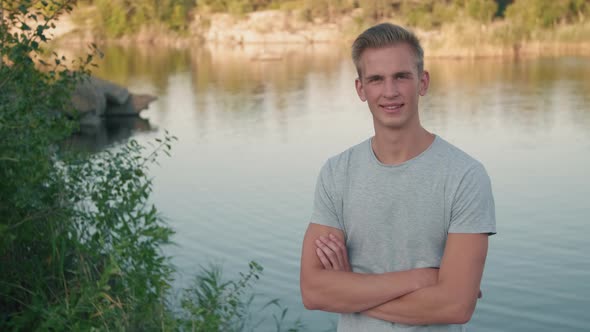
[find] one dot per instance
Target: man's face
(391, 86)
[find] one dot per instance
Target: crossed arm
(339, 290)
(418, 296)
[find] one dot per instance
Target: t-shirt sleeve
(473, 208)
(325, 201)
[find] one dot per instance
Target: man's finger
(343, 250)
(339, 243)
(329, 254)
(336, 240)
(335, 249)
(323, 259)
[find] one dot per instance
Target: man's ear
(424, 83)
(359, 89)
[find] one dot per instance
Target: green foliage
(29, 124)
(120, 17)
(254, 5)
(502, 4)
(123, 17)
(61, 268)
(324, 10)
(432, 14)
(378, 9)
(426, 14)
(237, 6)
(481, 10)
(118, 229)
(177, 18)
(214, 305)
(114, 19)
(527, 16)
(80, 245)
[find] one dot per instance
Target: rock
(264, 27)
(86, 98)
(89, 102)
(131, 107)
(95, 98)
(141, 102)
(114, 94)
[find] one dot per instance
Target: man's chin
(391, 125)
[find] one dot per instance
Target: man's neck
(393, 147)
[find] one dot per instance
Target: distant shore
(276, 28)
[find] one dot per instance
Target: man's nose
(390, 88)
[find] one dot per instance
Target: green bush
(420, 14)
(214, 305)
(377, 10)
(535, 14)
(481, 10)
(115, 18)
(80, 244)
(432, 14)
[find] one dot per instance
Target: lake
(252, 136)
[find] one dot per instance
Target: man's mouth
(392, 108)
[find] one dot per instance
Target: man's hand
(332, 253)
(334, 256)
(332, 286)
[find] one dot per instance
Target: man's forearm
(449, 300)
(344, 292)
(452, 300)
(430, 305)
(327, 283)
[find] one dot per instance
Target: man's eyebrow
(372, 77)
(403, 73)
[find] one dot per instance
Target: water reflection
(123, 65)
(238, 71)
(520, 92)
(110, 132)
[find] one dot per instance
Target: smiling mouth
(391, 108)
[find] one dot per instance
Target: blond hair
(383, 35)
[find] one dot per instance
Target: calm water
(253, 135)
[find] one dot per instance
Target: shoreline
(524, 50)
(275, 29)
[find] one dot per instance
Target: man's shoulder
(343, 160)
(453, 156)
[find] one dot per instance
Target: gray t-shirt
(397, 217)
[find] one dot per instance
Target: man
(399, 231)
